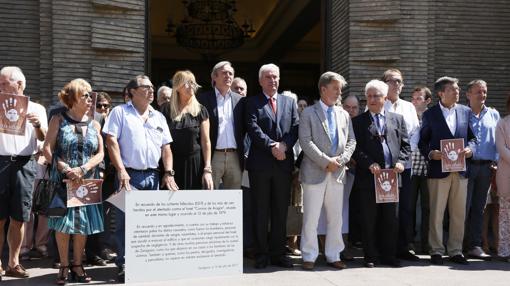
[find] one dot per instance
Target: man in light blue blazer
(327, 139)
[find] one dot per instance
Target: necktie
(386, 148)
(272, 101)
(333, 135)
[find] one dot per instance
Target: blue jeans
(141, 180)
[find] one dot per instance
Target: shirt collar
(445, 109)
(218, 94)
(275, 96)
(383, 113)
(151, 109)
(324, 106)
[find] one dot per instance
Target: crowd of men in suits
(256, 134)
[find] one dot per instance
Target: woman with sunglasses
(75, 147)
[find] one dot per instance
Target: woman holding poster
(75, 147)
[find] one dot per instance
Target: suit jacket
(316, 144)
(208, 100)
(434, 129)
(369, 148)
(264, 129)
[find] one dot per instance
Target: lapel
(439, 114)
(391, 126)
(322, 119)
(214, 104)
(339, 122)
(459, 117)
(280, 107)
(267, 107)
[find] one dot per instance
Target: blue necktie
(386, 148)
(332, 130)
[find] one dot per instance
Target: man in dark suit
(272, 125)
(446, 120)
(381, 143)
(226, 130)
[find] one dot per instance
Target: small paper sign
(452, 160)
(386, 187)
(13, 116)
(86, 193)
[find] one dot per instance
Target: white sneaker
(477, 252)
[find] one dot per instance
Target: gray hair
(219, 66)
(162, 89)
(14, 74)
(269, 67)
(239, 79)
(476, 82)
(329, 76)
(441, 83)
(380, 86)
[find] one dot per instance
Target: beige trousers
(452, 192)
(226, 170)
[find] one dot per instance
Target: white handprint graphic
(385, 182)
(450, 151)
(9, 106)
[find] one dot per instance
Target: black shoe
(459, 259)
(261, 262)
(391, 262)
(121, 274)
(282, 261)
(436, 259)
(96, 261)
(345, 256)
(369, 264)
(408, 255)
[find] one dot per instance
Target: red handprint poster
(13, 117)
(86, 192)
(386, 187)
(452, 159)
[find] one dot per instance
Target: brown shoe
(17, 271)
(337, 264)
(307, 265)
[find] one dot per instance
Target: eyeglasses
(99, 105)
(395, 81)
(146, 87)
(85, 95)
(193, 85)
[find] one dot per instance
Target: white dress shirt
(408, 111)
(449, 116)
(226, 137)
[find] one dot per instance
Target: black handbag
(42, 196)
(57, 206)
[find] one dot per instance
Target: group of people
(224, 139)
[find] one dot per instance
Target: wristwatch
(170, 173)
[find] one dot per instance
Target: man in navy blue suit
(272, 125)
(446, 120)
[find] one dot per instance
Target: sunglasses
(89, 94)
(102, 105)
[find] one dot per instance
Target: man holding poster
(381, 143)
(446, 120)
(17, 174)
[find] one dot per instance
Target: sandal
(80, 278)
(63, 275)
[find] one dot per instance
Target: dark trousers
(406, 212)
(354, 215)
(379, 226)
(478, 187)
(270, 199)
(419, 188)
(248, 240)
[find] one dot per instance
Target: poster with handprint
(453, 160)
(386, 187)
(13, 117)
(87, 192)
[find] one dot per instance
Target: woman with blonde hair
(75, 147)
(188, 121)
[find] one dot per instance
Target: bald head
(351, 105)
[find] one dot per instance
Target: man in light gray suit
(327, 139)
